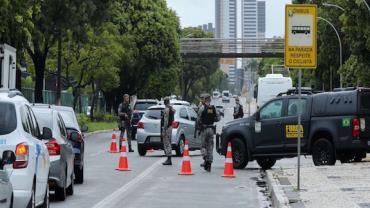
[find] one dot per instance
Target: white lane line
(113, 199)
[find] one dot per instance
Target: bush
(82, 119)
(110, 118)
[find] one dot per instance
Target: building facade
(226, 28)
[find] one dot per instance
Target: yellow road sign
(300, 36)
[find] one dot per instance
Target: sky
(199, 12)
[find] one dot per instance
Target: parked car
(335, 126)
(226, 96)
(78, 140)
(139, 109)
(61, 178)
(6, 189)
(19, 132)
(216, 94)
(183, 127)
(221, 110)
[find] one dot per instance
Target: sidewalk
(342, 185)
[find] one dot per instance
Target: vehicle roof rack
(294, 91)
(344, 89)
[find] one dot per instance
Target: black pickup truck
(335, 126)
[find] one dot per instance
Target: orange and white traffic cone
(186, 166)
(123, 160)
(229, 169)
(113, 145)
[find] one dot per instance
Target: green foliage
(27, 82)
(198, 73)
(82, 119)
(161, 84)
(150, 34)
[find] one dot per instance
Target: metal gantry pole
(299, 129)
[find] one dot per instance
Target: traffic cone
(113, 145)
(186, 166)
(123, 161)
(229, 169)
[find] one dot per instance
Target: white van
(226, 96)
(270, 86)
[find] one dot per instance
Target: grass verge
(100, 125)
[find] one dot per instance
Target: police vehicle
(335, 125)
(20, 133)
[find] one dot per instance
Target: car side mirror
(47, 134)
(84, 128)
(74, 136)
(7, 158)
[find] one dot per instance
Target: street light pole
(367, 5)
(340, 47)
(333, 5)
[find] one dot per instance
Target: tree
(196, 70)
(150, 35)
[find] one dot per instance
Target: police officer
(167, 117)
(238, 109)
(207, 116)
(124, 113)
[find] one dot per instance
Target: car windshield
(44, 119)
(68, 118)
(8, 118)
(153, 114)
(144, 105)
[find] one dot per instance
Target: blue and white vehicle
(20, 133)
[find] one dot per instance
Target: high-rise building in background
(261, 19)
(253, 21)
(207, 28)
(226, 28)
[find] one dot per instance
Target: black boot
(207, 167)
(168, 161)
(202, 164)
(130, 149)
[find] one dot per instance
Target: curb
(97, 132)
(278, 197)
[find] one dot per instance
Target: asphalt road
(151, 185)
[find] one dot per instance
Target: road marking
(113, 199)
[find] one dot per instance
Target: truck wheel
(359, 156)
(240, 156)
(141, 150)
(266, 163)
(323, 152)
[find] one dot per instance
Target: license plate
(76, 151)
(155, 139)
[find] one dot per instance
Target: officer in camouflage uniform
(124, 113)
(207, 116)
(167, 118)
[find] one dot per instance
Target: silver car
(183, 127)
(6, 189)
(60, 151)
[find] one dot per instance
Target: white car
(183, 127)
(226, 96)
(20, 133)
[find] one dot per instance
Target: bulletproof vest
(125, 108)
(171, 117)
(208, 115)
